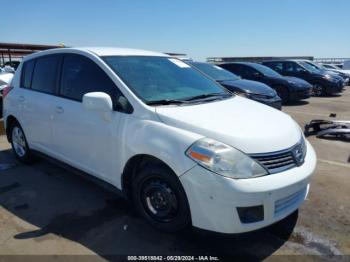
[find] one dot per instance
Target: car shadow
(296, 103)
(58, 202)
(331, 95)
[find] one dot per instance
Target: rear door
(39, 85)
(86, 139)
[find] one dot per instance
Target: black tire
(318, 90)
(19, 140)
(283, 93)
(160, 198)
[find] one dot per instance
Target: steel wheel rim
(18, 141)
(317, 90)
(159, 200)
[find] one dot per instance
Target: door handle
(59, 109)
(21, 99)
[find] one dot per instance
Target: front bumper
(214, 199)
(334, 87)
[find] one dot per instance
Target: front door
(85, 139)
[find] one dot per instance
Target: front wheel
(317, 90)
(160, 198)
(283, 93)
(19, 144)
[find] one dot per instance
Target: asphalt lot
(47, 210)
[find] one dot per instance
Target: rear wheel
(159, 197)
(283, 93)
(317, 90)
(19, 144)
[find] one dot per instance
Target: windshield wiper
(166, 102)
(212, 95)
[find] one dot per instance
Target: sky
(201, 29)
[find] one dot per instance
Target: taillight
(6, 90)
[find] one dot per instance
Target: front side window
(154, 78)
(80, 75)
(247, 72)
(266, 71)
(45, 73)
(289, 67)
(27, 73)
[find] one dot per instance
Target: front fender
(161, 141)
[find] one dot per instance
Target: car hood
(250, 86)
(242, 123)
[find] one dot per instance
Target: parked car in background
(324, 70)
(340, 66)
(5, 80)
(322, 83)
(13, 64)
(251, 89)
(181, 147)
(336, 68)
(288, 88)
(346, 65)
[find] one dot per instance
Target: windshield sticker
(179, 63)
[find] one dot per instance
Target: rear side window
(45, 74)
(80, 75)
(27, 73)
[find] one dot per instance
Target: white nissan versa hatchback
(185, 150)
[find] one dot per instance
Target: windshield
(266, 71)
(330, 66)
(162, 78)
(310, 68)
(215, 72)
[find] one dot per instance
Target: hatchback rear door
(38, 87)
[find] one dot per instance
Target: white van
(179, 145)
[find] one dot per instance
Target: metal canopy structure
(9, 51)
(331, 60)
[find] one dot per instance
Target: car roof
(101, 51)
(237, 63)
(109, 51)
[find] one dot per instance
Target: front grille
(276, 162)
(290, 202)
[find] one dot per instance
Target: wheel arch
(133, 165)
(10, 120)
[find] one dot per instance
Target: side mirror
(98, 101)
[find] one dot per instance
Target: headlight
(224, 160)
(327, 77)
